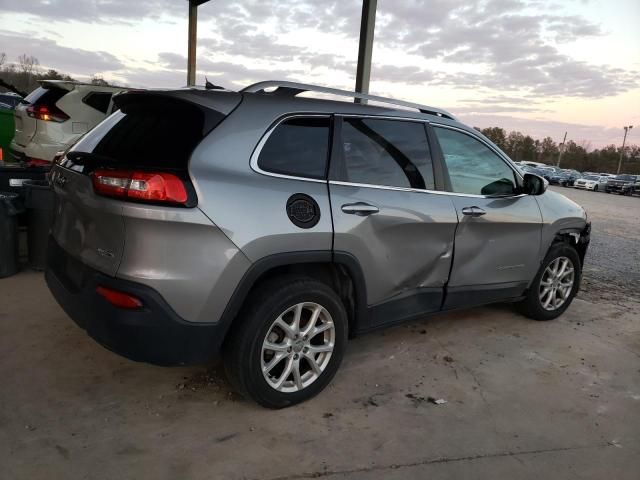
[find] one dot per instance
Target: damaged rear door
(388, 214)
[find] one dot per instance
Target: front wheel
(595, 189)
(555, 285)
(289, 342)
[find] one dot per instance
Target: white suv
(55, 115)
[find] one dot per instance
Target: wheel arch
(339, 270)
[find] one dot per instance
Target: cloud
(94, 11)
(510, 46)
(75, 61)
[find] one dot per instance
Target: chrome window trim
(418, 190)
(256, 154)
(256, 151)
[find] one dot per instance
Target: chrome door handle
(360, 208)
(473, 211)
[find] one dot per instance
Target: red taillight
(37, 162)
(159, 187)
(48, 113)
(119, 299)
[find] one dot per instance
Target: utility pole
(562, 145)
(192, 40)
(624, 140)
(365, 50)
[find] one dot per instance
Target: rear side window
(45, 96)
(98, 100)
(298, 147)
(386, 152)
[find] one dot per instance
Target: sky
(541, 67)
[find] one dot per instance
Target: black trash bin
(10, 207)
(40, 203)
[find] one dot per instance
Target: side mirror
(534, 185)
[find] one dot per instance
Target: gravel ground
(612, 265)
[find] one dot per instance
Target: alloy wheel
(556, 283)
(298, 347)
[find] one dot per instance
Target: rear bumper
(153, 334)
(37, 150)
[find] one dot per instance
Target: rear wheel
(555, 285)
(289, 342)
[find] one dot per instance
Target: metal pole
(365, 50)
(624, 140)
(562, 145)
(192, 40)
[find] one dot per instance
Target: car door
(497, 242)
(389, 216)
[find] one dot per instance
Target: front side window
(473, 167)
(298, 147)
(386, 152)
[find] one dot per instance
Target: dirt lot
(524, 399)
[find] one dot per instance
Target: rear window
(45, 96)
(161, 134)
(98, 100)
(298, 147)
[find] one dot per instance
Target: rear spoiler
(223, 102)
(214, 105)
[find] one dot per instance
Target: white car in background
(591, 182)
(55, 115)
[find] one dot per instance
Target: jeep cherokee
(270, 227)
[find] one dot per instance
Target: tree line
(23, 75)
(575, 156)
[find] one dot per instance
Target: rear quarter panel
(250, 207)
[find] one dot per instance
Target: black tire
(531, 306)
(242, 353)
(595, 189)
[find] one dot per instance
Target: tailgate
(87, 226)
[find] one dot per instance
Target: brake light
(37, 162)
(119, 299)
(160, 187)
(48, 113)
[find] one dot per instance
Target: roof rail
(293, 88)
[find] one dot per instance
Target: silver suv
(270, 227)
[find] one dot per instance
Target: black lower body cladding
(153, 334)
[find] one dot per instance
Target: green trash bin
(40, 204)
(10, 207)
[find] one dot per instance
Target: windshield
(628, 178)
(591, 177)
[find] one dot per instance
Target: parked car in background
(573, 175)
(547, 172)
(277, 258)
(55, 115)
(622, 184)
(591, 182)
(560, 178)
(533, 164)
(8, 102)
